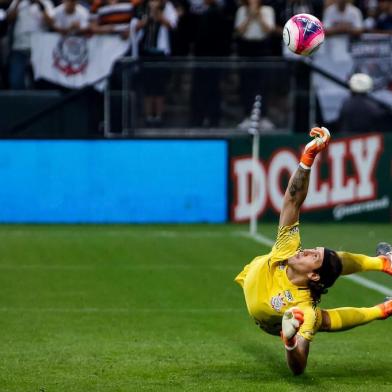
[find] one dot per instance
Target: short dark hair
(330, 270)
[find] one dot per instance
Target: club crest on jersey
(288, 295)
(277, 302)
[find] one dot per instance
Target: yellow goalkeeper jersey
(268, 291)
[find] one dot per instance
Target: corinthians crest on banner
(70, 56)
(75, 61)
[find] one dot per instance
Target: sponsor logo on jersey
(277, 302)
(288, 295)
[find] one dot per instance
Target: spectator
(365, 5)
(182, 34)
(209, 42)
(359, 114)
(370, 12)
(160, 19)
(70, 18)
(140, 9)
(383, 22)
(118, 18)
(194, 15)
(29, 16)
(111, 17)
(342, 21)
(254, 23)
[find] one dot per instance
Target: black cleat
(383, 249)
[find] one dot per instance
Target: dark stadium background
(121, 234)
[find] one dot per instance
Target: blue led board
(113, 181)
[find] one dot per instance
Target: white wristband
(304, 166)
(291, 348)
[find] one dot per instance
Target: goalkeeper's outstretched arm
(297, 188)
(294, 197)
(298, 358)
(297, 348)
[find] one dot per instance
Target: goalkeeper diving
(283, 288)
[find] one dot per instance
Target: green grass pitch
(155, 308)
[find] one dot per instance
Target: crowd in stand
(199, 28)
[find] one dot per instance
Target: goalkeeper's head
(330, 269)
(326, 274)
(319, 267)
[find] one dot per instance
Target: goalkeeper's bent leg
(342, 319)
(352, 263)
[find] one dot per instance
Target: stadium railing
(189, 87)
(203, 97)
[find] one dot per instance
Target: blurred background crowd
(179, 27)
(191, 28)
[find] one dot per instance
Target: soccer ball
(303, 34)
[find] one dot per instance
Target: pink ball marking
(310, 30)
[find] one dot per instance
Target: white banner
(75, 61)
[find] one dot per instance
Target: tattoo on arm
(294, 196)
(299, 183)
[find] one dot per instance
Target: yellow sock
(342, 319)
(352, 263)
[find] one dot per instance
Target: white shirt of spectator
(63, 20)
(29, 20)
(254, 30)
(337, 46)
(170, 14)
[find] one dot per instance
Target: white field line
(261, 239)
(175, 234)
(369, 284)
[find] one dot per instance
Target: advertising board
(350, 181)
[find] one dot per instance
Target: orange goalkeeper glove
(292, 319)
(320, 141)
